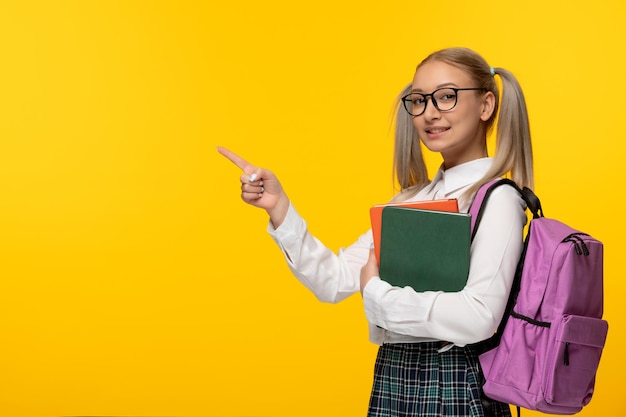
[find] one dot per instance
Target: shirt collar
(462, 175)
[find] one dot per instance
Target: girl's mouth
(436, 130)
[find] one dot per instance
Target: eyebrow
(449, 84)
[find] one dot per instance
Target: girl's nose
(431, 111)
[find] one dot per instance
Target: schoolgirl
(426, 365)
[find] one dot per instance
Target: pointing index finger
(234, 158)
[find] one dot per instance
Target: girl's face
(458, 134)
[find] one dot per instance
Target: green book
(425, 249)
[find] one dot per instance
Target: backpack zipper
(579, 244)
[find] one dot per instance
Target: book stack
(424, 245)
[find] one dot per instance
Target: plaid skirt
(414, 379)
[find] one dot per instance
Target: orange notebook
(376, 214)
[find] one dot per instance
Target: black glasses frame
(408, 106)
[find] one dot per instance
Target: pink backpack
(546, 351)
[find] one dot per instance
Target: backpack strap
(476, 210)
(479, 203)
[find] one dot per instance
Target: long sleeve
(473, 313)
(331, 277)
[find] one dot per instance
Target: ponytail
(513, 156)
(408, 160)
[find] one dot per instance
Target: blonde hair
(513, 153)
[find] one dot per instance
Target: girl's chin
(434, 146)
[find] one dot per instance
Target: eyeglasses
(444, 99)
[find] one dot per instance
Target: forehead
(435, 74)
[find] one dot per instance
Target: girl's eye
(446, 97)
(418, 100)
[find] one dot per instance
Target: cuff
(372, 295)
(290, 232)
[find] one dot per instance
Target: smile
(436, 130)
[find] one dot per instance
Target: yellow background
(133, 279)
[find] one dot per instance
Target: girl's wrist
(279, 211)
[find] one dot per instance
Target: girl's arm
(331, 277)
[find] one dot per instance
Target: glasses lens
(445, 98)
(415, 104)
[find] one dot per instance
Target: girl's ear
(488, 105)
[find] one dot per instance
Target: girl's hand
(260, 188)
(369, 270)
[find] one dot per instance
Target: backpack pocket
(512, 370)
(573, 360)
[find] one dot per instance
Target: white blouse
(401, 314)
